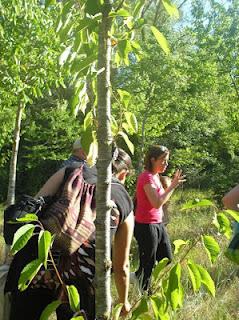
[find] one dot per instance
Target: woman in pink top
(150, 232)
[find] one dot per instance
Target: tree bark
(13, 162)
(103, 245)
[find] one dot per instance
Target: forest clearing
(115, 79)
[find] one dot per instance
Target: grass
(189, 225)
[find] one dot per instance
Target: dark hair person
(79, 267)
(150, 232)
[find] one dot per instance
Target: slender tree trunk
(103, 245)
(13, 162)
(142, 144)
(149, 93)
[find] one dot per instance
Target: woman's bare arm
(121, 250)
(157, 200)
(52, 185)
(231, 199)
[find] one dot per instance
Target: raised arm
(52, 185)
(231, 199)
(157, 200)
(121, 250)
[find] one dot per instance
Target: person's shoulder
(122, 199)
(145, 175)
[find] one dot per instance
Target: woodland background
(183, 93)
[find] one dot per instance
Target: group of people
(144, 221)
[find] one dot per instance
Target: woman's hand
(73, 189)
(125, 309)
(177, 179)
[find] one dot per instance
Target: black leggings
(154, 245)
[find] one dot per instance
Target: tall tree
(29, 62)
(104, 137)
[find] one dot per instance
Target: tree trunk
(13, 162)
(103, 245)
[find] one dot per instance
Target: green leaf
(124, 47)
(233, 214)
(44, 244)
(114, 126)
(171, 9)
(92, 154)
(120, 13)
(49, 3)
(159, 307)
(29, 217)
(132, 121)
(21, 237)
(66, 29)
(93, 7)
(142, 308)
(127, 141)
(125, 97)
(197, 203)
(159, 267)
(155, 303)
(138, 8)
(66, 9)
(28, 273)
(87, 139)
(161, 39)
(194, 275)
(64, 56)
(178, 244)
(74, 298)
(88, 121)
(224, 224)
(212, 247)
(87, 22)
(175, 290)
(116, 311)
(81, 64)
(207, 280)
(78, 318)
(50, 309)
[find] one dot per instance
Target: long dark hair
(155, 152)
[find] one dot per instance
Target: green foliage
(171, 8)
(212, 247)
(50, 309)
(44, 244)
(194, 275)
(21, 237)
(141, 309)
(161, 39)
(167, 285)
(116, 311)
(28, 273)
(197, 203)
(175, 290)
(74, 298)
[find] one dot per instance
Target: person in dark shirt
(79, 268)
(78, 155)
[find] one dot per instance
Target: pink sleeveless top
(145, 212)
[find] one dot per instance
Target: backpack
(71, 217)
(27, 204)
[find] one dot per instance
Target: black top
(85, 255)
